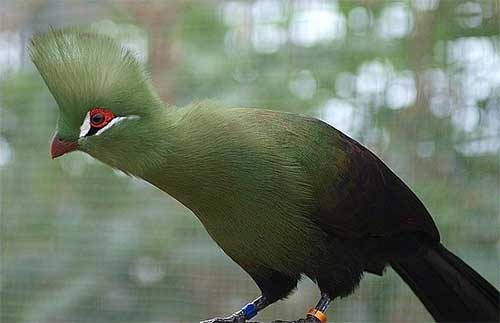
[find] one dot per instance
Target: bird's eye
(97, 120)
(100, 117)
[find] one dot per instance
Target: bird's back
(355, 194)
(282, 182)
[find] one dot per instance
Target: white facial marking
(85, 127)
(115, 121)
(109, 125)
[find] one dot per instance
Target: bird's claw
(308, 319)
(230, 319)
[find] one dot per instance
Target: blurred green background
(418, 82)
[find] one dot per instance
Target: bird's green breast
(242, 179)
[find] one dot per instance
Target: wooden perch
(306, 320)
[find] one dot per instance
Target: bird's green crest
(84, 69)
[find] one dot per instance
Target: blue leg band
(250, 310)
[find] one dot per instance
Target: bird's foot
(308, 319)
(235, 318)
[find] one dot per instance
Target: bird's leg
(314, 315)
(247, 312)
(318, 312)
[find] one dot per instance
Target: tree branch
(306, 320)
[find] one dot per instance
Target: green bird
(284, 195)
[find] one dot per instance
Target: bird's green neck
(176, 156)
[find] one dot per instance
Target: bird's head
(103, 93)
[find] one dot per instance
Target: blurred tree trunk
(423, 50)
(157, 18)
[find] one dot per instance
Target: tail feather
(449, 289)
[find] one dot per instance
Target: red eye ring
(99, 117)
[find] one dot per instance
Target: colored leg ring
(320, 316)
(249, 311)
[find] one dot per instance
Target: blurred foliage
(416, 81)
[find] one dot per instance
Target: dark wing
(365, 199)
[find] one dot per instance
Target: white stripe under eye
(109, 125)
(116, 120)
(85, 128)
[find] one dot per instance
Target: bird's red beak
(59, 147)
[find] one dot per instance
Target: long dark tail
(450, 289)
